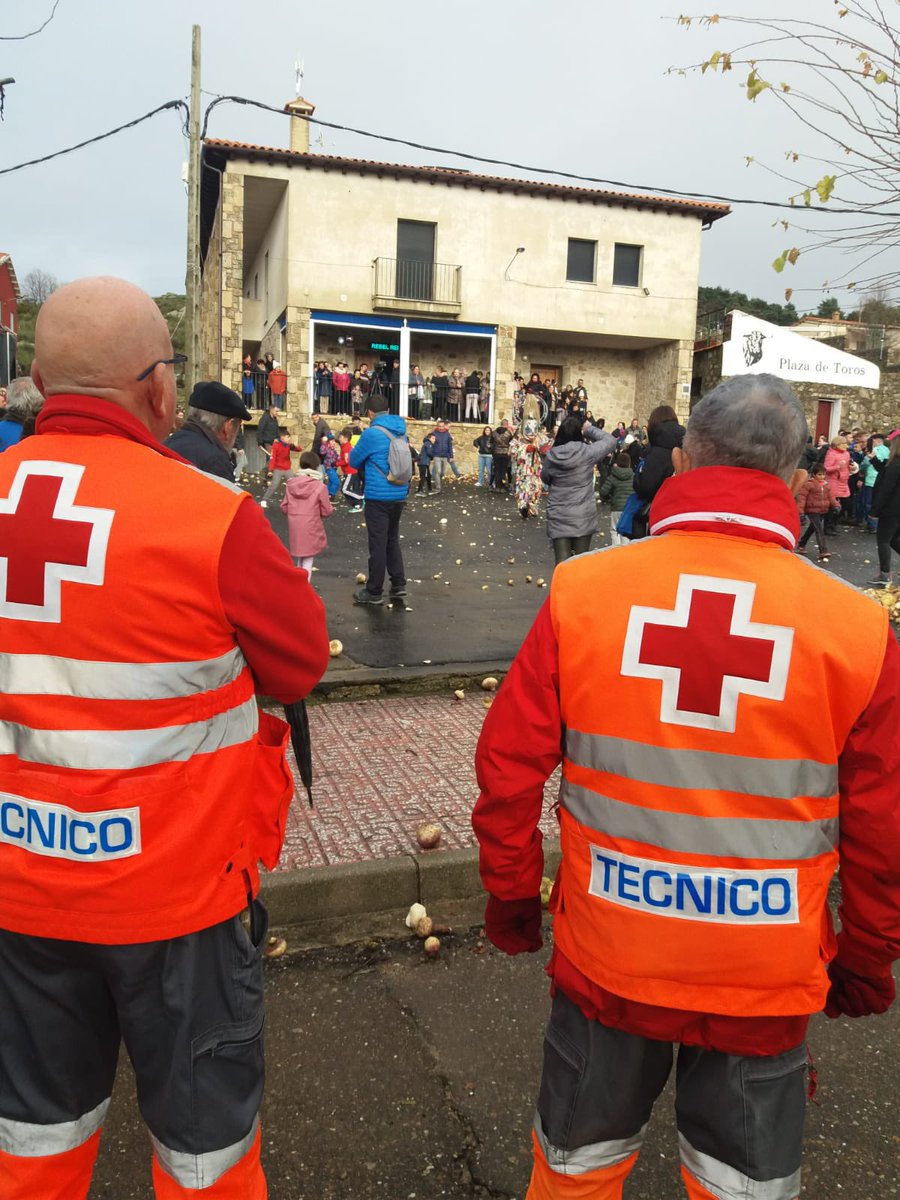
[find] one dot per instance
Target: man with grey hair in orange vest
(140, 782)
(724, 748)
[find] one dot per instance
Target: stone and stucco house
(313, 256)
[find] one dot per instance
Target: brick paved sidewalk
(381, 767)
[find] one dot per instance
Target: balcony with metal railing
(405, 285)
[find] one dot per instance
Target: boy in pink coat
(306, 504)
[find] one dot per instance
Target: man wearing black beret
(213, 422)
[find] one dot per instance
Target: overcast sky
(578, 85)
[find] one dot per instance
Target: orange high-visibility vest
(129, 729)
(708, 684)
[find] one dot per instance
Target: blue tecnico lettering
(724, 896)
(54, 831)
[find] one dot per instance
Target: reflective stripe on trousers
(740, 1120)
(65, 1176)
(243, 1180)
(26, 1139)
(195, 1171)
(64, 1009)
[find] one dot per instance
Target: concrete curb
(370, 889)
(358, 683)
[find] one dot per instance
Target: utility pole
(192, 278)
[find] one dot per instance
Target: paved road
(392, 1077)
(466, 610)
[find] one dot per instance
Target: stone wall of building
(707, 371)
(663, 377)
(296, 357)
(232, 268)
(609, 375)
(863, 408)
(506, 367)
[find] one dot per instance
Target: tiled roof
(707, 209)
(6, 260)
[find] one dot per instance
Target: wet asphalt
(396, 1077)
(468, 557)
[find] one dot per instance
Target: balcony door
(415, 260)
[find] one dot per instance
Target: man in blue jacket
(442, 454)
(384, 502)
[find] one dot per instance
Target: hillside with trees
(171, 305)
(715, 299)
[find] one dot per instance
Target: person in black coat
(208, 434)
(535, 387)
(886, 507)
(664, 433)
(267, 430)
(321, 429)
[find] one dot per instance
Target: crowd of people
(854, 482)
(577, 464)
(459, 395)
(264, 382)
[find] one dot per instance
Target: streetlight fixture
(519, 250)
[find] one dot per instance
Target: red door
(823, 419)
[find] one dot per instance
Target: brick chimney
(299, 109)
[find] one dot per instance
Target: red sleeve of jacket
(519, 748)
(869, 940)
(278, 618)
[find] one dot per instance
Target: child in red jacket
(815, 499)
(351, 487)
(279, 463)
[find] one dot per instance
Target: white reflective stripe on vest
(587, 1158)
(731, 1184)
(48, 675)
(724, 837)
(24, 1140)
(783, 779)
(202, 1170)
(130, 749)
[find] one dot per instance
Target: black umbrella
(298, 719)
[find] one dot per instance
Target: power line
(500, 162)
(180, 104)
(24, 36)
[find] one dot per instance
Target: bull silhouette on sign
(753, 346)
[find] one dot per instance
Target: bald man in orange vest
(140, 782)
(728, 724)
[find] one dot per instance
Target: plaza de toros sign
(759, 347)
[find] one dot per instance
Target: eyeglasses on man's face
(162, 362)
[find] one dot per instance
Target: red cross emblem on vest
(46, 538)
(707, 652)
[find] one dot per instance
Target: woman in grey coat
(568, 473)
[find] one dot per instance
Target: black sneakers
(398, 589)
(364, 597)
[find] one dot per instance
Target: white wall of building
(339, 222)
